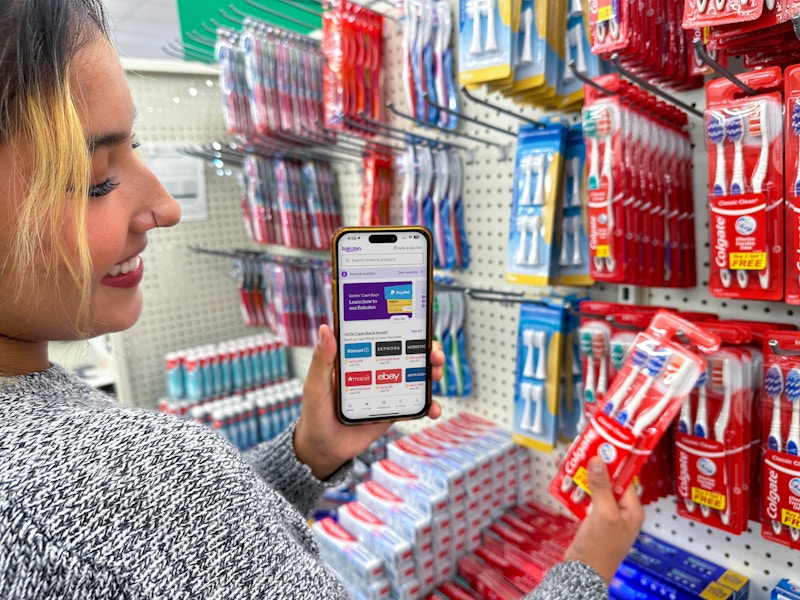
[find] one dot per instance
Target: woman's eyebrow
(107, 139)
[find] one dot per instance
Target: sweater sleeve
(276, 463)
(571, 580)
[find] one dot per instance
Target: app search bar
(397, 258)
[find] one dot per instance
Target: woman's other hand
(606, 535)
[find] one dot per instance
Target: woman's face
(125, 202)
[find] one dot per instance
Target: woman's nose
(165, 210)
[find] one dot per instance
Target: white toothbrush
(648, 416)
(540, 341)
(521, 254)
(528, 336)
(637, 360)
(537, 392)
(535, 225)
(526, 393)
(566, 234)
(475, 45)
(539, 165)
(721, 424)
(761, 127)
(773, 387)
(526, 164)
(575, 8)
(526, 56)
(577, 226)
(491, 34)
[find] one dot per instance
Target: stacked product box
(785, 589)
(513, 557)
(428, 502)
(352, 561)
(654, 566)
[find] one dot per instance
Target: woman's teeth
(124, 268)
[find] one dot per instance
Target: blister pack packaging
(637, 410)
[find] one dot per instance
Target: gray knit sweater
(98, 501)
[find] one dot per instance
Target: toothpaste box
(409, 487)
(676, 576)
(786, 590)
(381, 539)
(629, 578)
(398, 514)
(377, 590)
(431, 469)
(701, 568)
(342, 551)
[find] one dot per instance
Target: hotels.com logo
(358, 378)
(388, 376)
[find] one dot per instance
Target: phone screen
(383, 322)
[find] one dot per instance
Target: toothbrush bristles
(716, 129)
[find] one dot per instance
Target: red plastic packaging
(637, 410)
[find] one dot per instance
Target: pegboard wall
(191, 299)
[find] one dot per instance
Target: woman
(100, 501)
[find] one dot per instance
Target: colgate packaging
(713, 438)
(658, 373)
(746, 206)
(780, 451)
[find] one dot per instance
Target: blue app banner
(415, 374)
(358, 350)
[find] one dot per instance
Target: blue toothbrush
(716, 135)
(655, 364)
(773, 387)
(638, 359)
(793, 440)
(734, 130)
(796, 131)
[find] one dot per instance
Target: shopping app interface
(383, 300)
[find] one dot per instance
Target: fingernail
(597, 467)
(320, 336)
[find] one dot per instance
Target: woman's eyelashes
(103, 189)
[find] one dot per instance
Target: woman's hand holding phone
(320, 440)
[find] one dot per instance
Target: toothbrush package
(573, 262)
(535, 206)
(644, 397)
(485, 40)
(780, 448)
(538, 385)
(792, 181)
(448, 327)
(713, 437)
(746, 207)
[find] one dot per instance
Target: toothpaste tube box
(342, 551)
(452, 590)
(703, 569)
(381, 539)
(786, 590)
(431, 469)
(377, 590)
(398, 514)
(677, 576)
(630, 577)
(409, 487)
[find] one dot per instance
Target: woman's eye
(103, 189)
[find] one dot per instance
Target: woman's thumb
(599, 483)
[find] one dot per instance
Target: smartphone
(382, 288)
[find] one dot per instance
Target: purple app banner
(367, 301)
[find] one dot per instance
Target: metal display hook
(590, 82)
(500, 109)
(701, 52)
(503, 150)
(269, 11)
(653, 89)
(449, 111)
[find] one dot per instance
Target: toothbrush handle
(720, 188)
(491, 34)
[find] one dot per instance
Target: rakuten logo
(388, 376)
(354, 378)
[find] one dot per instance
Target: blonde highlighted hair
(39, 122)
